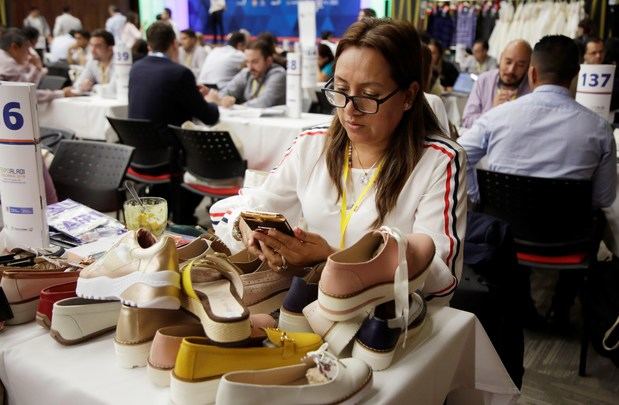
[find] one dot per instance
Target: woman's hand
(281, 250)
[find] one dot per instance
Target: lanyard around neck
(346, 214)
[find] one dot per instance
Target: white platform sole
(292, 322)
(131, 356)
(269, 305)
(23, 312)
(105, 288)
(159, 377)
(193, 393)
(342, 309)
(359, 395)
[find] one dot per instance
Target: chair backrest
(551, 214)
(51, 82)
(51, 137)
(152, 144)
(91, 173)
(210, 154)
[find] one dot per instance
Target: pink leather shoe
(372, 271)
(168, 340)
(23, 288)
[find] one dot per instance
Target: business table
(451, 358)
(83, 115)
(265, 139)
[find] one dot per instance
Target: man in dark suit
(165, 92)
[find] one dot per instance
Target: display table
(83, 115)
(451, 355)
(265, 139)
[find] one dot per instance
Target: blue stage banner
(277, 16)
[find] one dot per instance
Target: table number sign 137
(595, 79)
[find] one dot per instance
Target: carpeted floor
(551, 362)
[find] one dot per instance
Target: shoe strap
(400, 281)
(607, 336)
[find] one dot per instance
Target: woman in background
(326, 63)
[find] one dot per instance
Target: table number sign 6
(11, 116)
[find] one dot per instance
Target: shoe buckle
(287, 343)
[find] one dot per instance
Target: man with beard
(547, 134)
(261, 84)
(501, 85)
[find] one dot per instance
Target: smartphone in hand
(262, 221)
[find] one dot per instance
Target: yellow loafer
(199, 364)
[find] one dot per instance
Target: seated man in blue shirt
(547, 134)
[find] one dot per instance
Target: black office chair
(153, 150)
(553, 223)
(51, 82)
(91, 173)
(51, 137)
(211, 157)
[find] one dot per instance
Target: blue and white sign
(595, 87)
(22, 190)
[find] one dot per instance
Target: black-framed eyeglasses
(364, 104)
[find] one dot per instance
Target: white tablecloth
(453, 355)
(265, 139)
(83, 115)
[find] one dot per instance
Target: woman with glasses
(383, 161)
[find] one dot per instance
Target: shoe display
(380, 333)
(303, 291)
(168, 340)
(205, 244)
(337, 334)
(199, 364)
(48, 297)
(136, 330)
(213, 292)
(319, 379)
(138, 270)
(369, 273)
(76, 319)
(23, 289)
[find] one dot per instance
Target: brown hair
(266, 48)
(398, 42)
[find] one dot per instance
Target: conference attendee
(59, 48)
(65, 23)
(594, 51)
(366, 13)
(261, 84)
(326, 38)
(446, 71)
(166, 17)
(386, 141)
(131, 30)
(115, 23)
(223, 63)
(326, 62)
(36, 20)
(278, 53)
(79, 52)
(139, 50)
(15, 64)
(501, 85)
(32, 35)
(191, 54)
(216, 19)
(547, 134)
(165, 92)
(435, 102)
(480, 62)
(100, 69)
